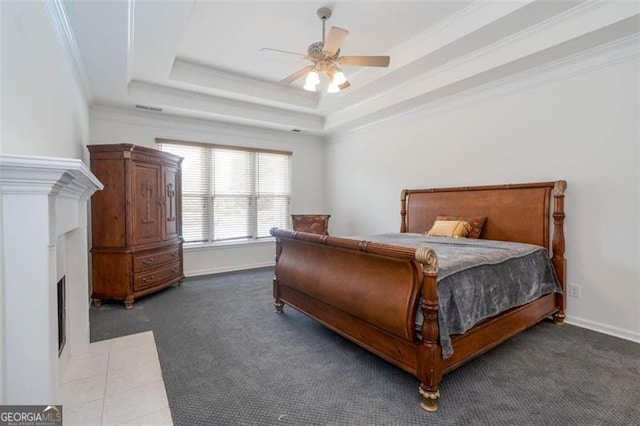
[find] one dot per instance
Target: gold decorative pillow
(476, 222)
(449, 228)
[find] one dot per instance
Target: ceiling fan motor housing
(321, 60)
(314, 51)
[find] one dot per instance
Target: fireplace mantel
(42, 199)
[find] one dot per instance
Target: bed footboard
(367, 292)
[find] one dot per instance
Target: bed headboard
(517, 212)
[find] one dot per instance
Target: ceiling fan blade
(365, 61)
(344, 85)
(334, 40)
(268, 50)
(296, 75)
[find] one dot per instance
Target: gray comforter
(478, 279)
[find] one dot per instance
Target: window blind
(231, 193)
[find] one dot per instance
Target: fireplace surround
(43, 235)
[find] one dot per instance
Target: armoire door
(147, 200)
(171, 228)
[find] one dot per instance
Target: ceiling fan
(325, 58)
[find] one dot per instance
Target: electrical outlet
(574, 291)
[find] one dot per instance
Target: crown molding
(168, 125)
(616, 52)
(545, 24)
(417, 50)
(480, 28)
(225, 108)
(574, 33)
(258, 90)
(58, 18)
(473, 17)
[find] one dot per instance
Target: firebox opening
(62, 317)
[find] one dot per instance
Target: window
(231, 193)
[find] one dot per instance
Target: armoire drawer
(145, 262)
(157, 277)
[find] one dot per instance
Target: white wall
(141, 128)
(44, 111)
(584, 129)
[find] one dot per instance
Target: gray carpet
(228, 359)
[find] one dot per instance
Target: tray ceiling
(202, 59)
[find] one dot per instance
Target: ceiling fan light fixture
(312, 78)
(339, 78)
(311, 87)
(333, 88)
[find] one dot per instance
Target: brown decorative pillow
(449, 228)
(476, 222)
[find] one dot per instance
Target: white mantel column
(42, 198)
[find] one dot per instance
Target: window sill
(227, 244)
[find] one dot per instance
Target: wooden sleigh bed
(370, 292)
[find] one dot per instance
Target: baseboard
(221, 269)
(622, 333)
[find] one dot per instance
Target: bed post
(277, 303)
(403, 210)
(557, 246)
(429, 352)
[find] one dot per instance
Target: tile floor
(116, 382)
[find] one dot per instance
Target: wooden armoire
(136, 228)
